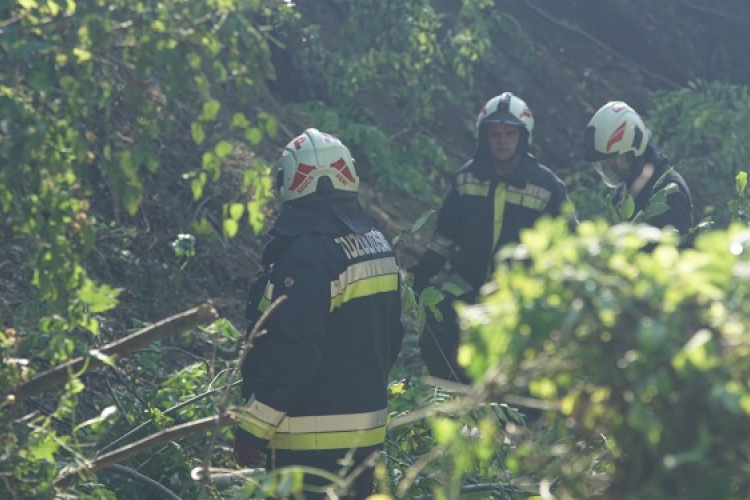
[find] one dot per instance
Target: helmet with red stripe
(510, 109)
(616, 129)
(315, 161)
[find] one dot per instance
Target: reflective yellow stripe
(469, 184)
(328, 440)
(473, 189)
(256, 427)
(441, 245)
(533, 197)
(259, 419)
(500, 192)
(361, 270)
(456, 286)
(334, 423)
(265, 301)
(365, 288)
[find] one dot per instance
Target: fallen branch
(67, 477)
(138, 477)
(159, 330)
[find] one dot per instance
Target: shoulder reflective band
(331, 432)
(469, 185)
(259, 419)
(364, 279)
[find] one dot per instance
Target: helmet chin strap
(634, 169)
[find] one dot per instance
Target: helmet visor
(607, 173)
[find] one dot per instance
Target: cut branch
(164, 328)
(172, 434)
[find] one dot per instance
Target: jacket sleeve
(679, 214)
(289, 354)
(443, 241)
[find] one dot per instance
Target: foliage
(400, 60)
(644, 349)
(402, 51)
(92, 93)
(705, 128)
(418, 166)
(643, 357)
(739, 208)
(589, 195)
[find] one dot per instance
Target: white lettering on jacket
(357, 245)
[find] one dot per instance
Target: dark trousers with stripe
(341, 463)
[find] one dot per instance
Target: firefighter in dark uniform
(492, 198)
(619, 145)
(316, 382)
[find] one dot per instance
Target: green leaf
(223, 148)
(231, 227)
(236, 210)
(210, 110)
(740, 182)
(197, 185)
(44, 449)
(82, 55)
(254, 135)
(198, 133)
(211, 165)
(627, 207)
(255, 216)
(98, 298)
(239, 121)
(444, 430)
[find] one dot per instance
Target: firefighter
(623, 153)
(502, 190)
(316, 382)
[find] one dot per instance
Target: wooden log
(124, 346)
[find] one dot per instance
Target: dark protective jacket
(318, 379)
(679, 213)
(481, 213)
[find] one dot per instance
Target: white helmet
(308, 158)
(507, 108)
(615, 129)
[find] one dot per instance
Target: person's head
(316, 166)
(505, 126)
(318, 184)
(615, 142)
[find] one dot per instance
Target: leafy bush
(705, 129)
(93, 94)
(418, 166)
(646, 351)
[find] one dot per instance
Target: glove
(248, 455)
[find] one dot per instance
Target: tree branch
(68, 476)
(601, 45)
(164, 328)
(717, 13)
(137, 476)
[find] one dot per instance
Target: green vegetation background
(136, 141)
